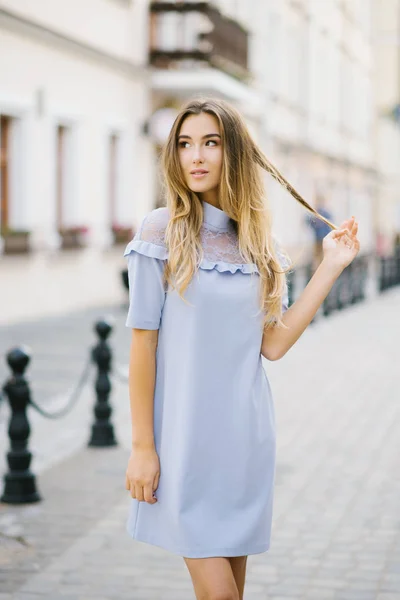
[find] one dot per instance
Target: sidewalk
(336, 530)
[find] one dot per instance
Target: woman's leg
(212, 578)
(238, 564)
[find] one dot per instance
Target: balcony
(188, 35)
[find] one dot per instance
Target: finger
(339, 233)
(345, 224)
(148, 494)
(132, 488)
(342, 226)
(127, 483)
(139, 492)
(156, 481)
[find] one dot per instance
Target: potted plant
(16, 241)
(122, 233)
(73, 236)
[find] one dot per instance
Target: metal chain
(73, 398)
(75, 394)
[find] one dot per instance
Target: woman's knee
(213, 578)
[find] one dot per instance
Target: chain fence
(73, 398)
(119, 373)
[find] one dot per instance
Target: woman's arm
(340, 249)
(142, 371)
(143, 471)
(278, 340)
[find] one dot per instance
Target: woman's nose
(197, 154)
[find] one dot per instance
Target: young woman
(207, 300)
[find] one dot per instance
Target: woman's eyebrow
(208, 135)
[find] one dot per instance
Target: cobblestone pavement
(336, 529)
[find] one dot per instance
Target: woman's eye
(183, 144)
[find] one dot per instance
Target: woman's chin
(199, 188)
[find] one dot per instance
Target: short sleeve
(146, 255)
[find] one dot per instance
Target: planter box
(71, 238)
(16, 243)
(122, 235)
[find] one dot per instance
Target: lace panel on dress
(218, 246)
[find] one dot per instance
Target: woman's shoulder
(153, 226)
(149, 239)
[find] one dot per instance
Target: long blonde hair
(241, 196)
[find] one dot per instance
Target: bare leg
(238, 564)
(212, 578)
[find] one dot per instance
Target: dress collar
(215, 216)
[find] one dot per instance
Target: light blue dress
(214, 422)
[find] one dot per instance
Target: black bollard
(19, 482)
(397, 264)
(102, 429)
(125, 279)
(326, 306)
(380, 273)
(383, 274)
(393, 271)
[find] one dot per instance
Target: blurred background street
(87, 97)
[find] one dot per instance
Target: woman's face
(200, 155)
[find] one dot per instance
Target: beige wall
(387, 48)
(117, 27)
(387, 132)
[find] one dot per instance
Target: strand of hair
(263, 162)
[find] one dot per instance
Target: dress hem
(218, 552)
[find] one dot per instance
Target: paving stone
(355, 595)
(320, 594)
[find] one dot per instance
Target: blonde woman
(207, 300)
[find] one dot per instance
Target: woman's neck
(211, 197)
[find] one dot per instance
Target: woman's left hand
(341, 246)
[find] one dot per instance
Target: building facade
(387, 124)
(75, 166)
(306, 90)
(88, 91)
(314, 63)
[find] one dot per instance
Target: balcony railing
(186, 33)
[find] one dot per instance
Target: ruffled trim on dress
(160, 252)
(147, 248)
(223, 267)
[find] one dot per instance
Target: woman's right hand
(142, 475)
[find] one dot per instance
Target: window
(60, 175)
(5, 127)
(113, 149)
(66, 193)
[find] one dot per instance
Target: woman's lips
(199, 175)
